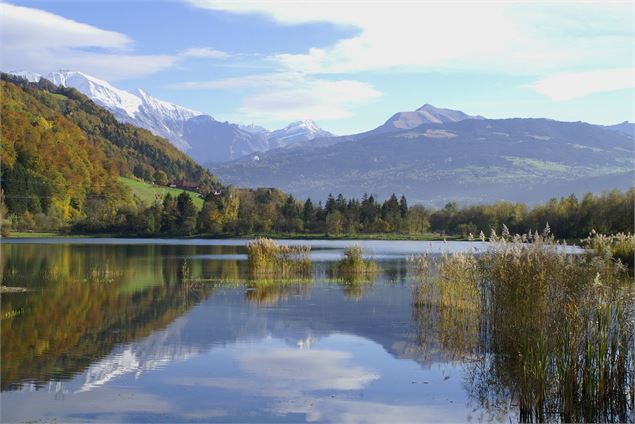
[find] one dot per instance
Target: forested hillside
(61, 155)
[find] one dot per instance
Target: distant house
(185, 185)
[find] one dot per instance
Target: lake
(173, 331)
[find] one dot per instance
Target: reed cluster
(554, 331)
(447, 304)
(353, 267)
(620, 246)
(267, 258)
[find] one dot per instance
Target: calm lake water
(171, 331)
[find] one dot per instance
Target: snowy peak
(135, 107)
(163, 108)
(304, 130)
(204, 138)
(442, 115)
(100, 91)
(28, 75)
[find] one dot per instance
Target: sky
(348, 65)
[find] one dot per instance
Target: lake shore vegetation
(550, 329)
(271, 213)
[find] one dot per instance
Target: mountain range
(457, 158)
(433, 155)
(200, 135)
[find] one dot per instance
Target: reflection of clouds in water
(309, 369)
(288, 372)
(107, 404)
(319, 384)
(325, 409)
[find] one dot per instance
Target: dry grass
(554, 330)
(268, 259)
(618, 246)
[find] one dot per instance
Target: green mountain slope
(61, 154)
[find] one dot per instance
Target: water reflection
(81, 303)
(182, 333)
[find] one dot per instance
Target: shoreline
(225, 236)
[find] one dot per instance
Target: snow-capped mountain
(297, 131)
(29, 76)
(199, 135)
(138, 107)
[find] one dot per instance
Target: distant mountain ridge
(623, 127)
(205, 139)
(468, 160)
(426, 114)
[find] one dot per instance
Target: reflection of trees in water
(270, 293)
(84, 300)
(554, 334)
(353, 284)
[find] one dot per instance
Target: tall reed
(619, 246)
(268, 259)
(554, 330)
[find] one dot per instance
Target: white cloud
(204, 52)
(40, 41)
(498, 36)
(290, 96)
(556, 42)
(33, 28)
(572, 85)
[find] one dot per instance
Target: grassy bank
(149, 193)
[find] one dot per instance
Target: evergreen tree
(308, 215)
(186, 214)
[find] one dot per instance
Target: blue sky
(348, 65)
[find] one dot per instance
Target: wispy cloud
(540, 39)
(292, 96)
(204, 52)
(32, 28)
(494, 36)
(41, 41)
(572, 85)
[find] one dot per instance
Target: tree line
(235, 212)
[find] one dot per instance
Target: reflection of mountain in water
(107, 311)
(158, 350)
(84, 301)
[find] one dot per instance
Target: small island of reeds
(354, 268)
(271, 260)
